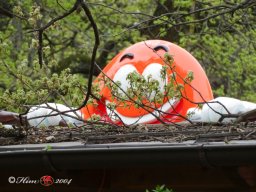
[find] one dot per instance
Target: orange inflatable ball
(153, 82)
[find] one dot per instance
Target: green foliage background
(223, 44)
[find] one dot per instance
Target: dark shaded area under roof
(135, 166)
(75, 155)
(187, 158)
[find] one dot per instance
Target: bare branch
(11, 14)
(94, 52)
(50, 23)
(61, 5)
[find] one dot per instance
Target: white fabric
(194, 114)
(210, 110)
(7, 126)
(48, 115)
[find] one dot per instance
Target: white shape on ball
(121, 76)
(154, 69)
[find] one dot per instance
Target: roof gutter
(75, 156)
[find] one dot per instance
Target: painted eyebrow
(127, 55)
(163, 47)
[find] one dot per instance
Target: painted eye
(154, 71)
(121, 76)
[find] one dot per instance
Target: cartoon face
(146, 61)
